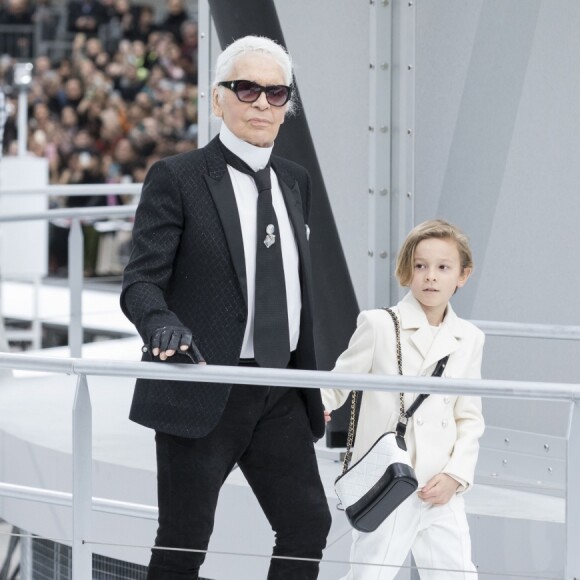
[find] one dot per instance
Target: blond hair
(430, 229)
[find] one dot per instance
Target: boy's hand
(327, 416)
(439, 489)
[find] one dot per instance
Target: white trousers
(438, 537)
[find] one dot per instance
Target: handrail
(73, 212)
(527, 330)
(78, 189)
(83, 503)
(65, 499)
(295, 378)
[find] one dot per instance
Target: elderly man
(220, 271)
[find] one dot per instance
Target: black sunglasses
(249, 92)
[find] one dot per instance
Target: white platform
(101, 310)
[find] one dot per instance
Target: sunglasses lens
(278, 95)
(247, 91)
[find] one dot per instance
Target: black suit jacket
(187, 267)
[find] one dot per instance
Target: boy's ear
(464, 276)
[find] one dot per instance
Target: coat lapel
(443, 344)
(432, 349)
(293, 203)
(222, 191)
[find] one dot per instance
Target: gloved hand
(168, 340)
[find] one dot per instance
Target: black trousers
(265, 430)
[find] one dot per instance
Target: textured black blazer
(187, 266)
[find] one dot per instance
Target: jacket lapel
(294, 207)
(432, 349)
(222, 191)
(443, 344)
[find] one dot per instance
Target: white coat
(443, 434)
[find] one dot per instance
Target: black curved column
(335, 300)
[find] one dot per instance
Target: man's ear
(215, 103)
(464, 276)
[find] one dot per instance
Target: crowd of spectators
(124, 97)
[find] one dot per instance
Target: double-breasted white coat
(443, 434)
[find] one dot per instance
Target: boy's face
(437, 273)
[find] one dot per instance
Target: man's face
(257, 123)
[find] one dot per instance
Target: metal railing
(83, 503)
(78, 189)
(75, 257)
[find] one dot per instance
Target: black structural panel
(334, 297)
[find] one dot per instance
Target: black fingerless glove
(173, 338)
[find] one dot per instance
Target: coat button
(446, 399)
(419, 421)
(444, 423)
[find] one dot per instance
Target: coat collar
(432, 349)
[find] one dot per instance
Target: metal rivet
(506, 441)
(409, 195)
(371, 129)
(409, 131)
(384, 191)
(546, 447)
(550, 470)
(371, 66)
(203, 34)
(371, 190)
(384, 129)
(409, 67)
(410, 4)
(371, 253)
(504, 461)
(385, 66)
(383, 254)
(202, 95)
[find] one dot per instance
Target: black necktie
(271, 334)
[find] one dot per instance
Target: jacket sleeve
(469, 424)
(357, 358)
(156, 238)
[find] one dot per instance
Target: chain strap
(399, 358)
(351, 431)
(354, 397)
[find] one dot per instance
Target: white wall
(497, 139)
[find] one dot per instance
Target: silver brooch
(270, 238)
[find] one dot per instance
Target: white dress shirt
(246, 195)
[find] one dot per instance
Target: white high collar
(256, 157)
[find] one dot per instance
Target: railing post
(82, 498)
(572, 497)
(75, 282)
(22, 121)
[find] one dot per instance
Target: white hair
(248, 45)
